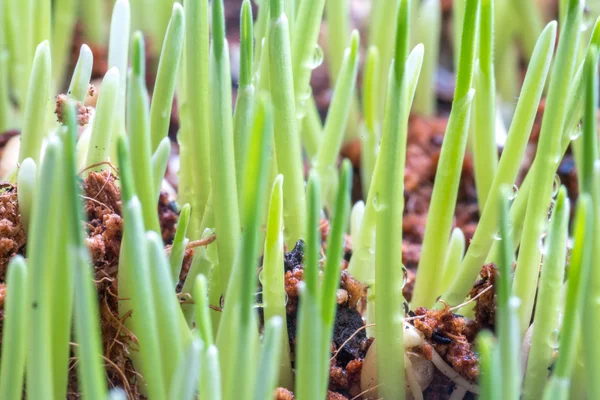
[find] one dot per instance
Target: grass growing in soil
(180, 223)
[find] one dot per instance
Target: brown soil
(12, 233)
(485, 304)
(83, 113)
(451, 336)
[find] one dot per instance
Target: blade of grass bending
(222, 160)
(309, 366)
(138, 130)
(525, 282)
(506, 174)
(591, 184)
(445, 187)
(42, 244)
(134, 278)
(14, 331)
(210, 375)
(237, 333)
(548, 309)
(244, 103)
(269, 360)
(86, 314)
(186, 377)
(337, 118)
(80, 81)
(485, 151)
(454, 256)
(335, 250)
(203, 323)
(94, 19)
(388, 205)
(179, 243)
(509, 341)
(102, 131)
(64, 17)
(428, 26)
(173, 332)
(287, 138)
(370, 108)
(118, 53)
(166, 76)
(490, 380)
(274, 296)
(159, 162)
(27, 183)
(33, 131)
(362, 263)
(558, 386)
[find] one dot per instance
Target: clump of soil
(484, 290)
(451, 336)
(12, 233)
(84, 113)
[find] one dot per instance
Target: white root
(452, 374)
(411, 380)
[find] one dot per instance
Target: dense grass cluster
(241, 178)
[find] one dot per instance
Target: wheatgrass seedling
(485, 152)
(454, 256)
(138, 130)
(85, 303)
(287, 138)
(266, 380)
(195, 121)
(244, 103)
(64, 17)
(159, 162)
(33, 131)
(274, 296)
(372, 129)
(94, 17)
(180, 242)
(80, 81)
(21, 47)
(187, 374)
(222, 160)
(428, 24)
(490, 382)
(5, 105)
(546, 318)
(514, 149)
(118, 56)
(14, 339)
(445, 189)
(337, 118)
(166, 76)
(549, 152)
(106, 109)
(559, 383)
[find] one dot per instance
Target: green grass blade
(118, 53)
(428, 26)
(549, 152)
(454, 256)
(546, 319)
(179, 243)
(370, 137)
(33, 130)
(80, 81)
(439, 219)
(102, 131)
(287, 138)
(94, 19)
(558, 386)
(203, 323)
(27, 183)
(138, 130)
(166, 76)
(490, 380)
(269, 360)
(274, 296)
(64, 17)
(159, 161)
(14, 331)
(210, 375)
(185, 379)
(514, 149)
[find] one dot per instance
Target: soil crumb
(83, 113)
(12, 233)
(167, 216)
(485, 304)
(283, 394)
(449, 333)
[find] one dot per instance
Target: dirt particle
(485, 304)
(283, 394)
(12, 233)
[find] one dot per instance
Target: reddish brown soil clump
(485, 304)
(12, 233)
(448, 334)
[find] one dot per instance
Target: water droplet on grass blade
(555, 185)
(404, 276)
(553, 340)
(315, 59)
(542, 243)
(576, 133)
(513, 193)
(497, 235)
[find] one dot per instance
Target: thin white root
(452, 374)
(411, 380)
